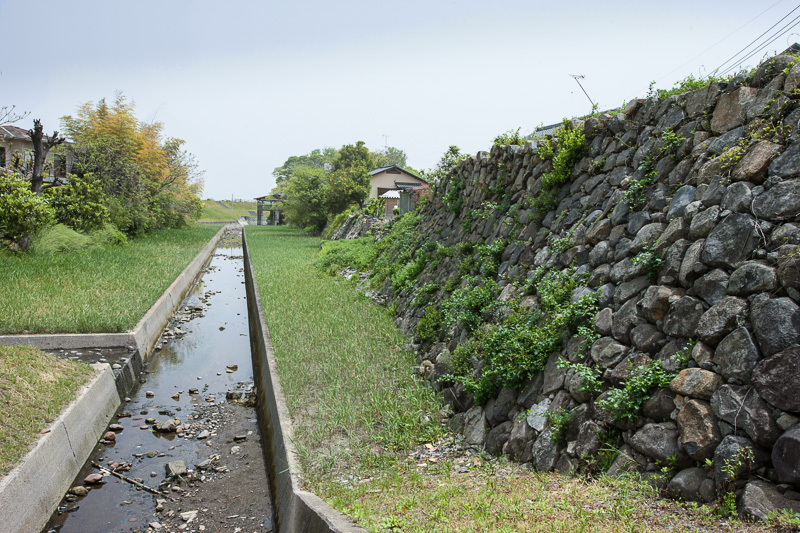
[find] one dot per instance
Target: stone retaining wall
(724, 214)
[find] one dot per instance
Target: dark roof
(272, 198)
(18, 133)
(14, 132)
(384, 169)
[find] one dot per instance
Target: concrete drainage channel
(184, 451)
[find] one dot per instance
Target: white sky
(248, 84)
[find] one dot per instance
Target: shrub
(22, 211)
(430, 324)
(467, 305)
(80, 204)
(510, 137)
(357, 253)
(565, 151)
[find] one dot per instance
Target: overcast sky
(248, 84)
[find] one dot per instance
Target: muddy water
(213, 357)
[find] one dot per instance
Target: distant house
(395, 184)
(16, 153)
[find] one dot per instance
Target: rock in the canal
(176, 396)
(176, 468)
(116, 427)
(203, 434)
(150, 394)
(110, 436)
(168, 426)
(79, 490)
(188, 516)
(93, 479)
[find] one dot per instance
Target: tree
(8, 114)
(305, 204)
(349, 181)
(317, 158)
(151, 182)
(390, 156)
(445, 165)
(41, 147)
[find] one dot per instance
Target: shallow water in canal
(187, 379)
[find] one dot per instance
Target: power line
(713, 72)
(775, 38)
(709, 48)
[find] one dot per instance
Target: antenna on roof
(577, 78)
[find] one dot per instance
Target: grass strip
(98, 290)
(214, 212)
(34, 388)
(347, 377)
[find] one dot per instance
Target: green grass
(34, 389)
(347, 378)
(97, 290)
(213, 212)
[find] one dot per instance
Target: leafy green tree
(390, 156)
(349, 181)
(317, 158)
(445, 165)
(306, 193)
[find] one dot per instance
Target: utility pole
(577, 78)
(385, 142)
(232, 218)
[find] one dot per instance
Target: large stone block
(696, 383)
(731, 110)
(782, 201)
(736, 355)
(777, 379)
(683, 317)
(657, 441)
(699, 432)
(721, 319)
(742, 407)
(776, 324)
(731, 242)
(786, 456)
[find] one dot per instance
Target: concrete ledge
(30, 492)
(295, 510)
(146, 332)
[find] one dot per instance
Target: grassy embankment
(358, 413)
(34, 388)
(98, 290)
(213, 212)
